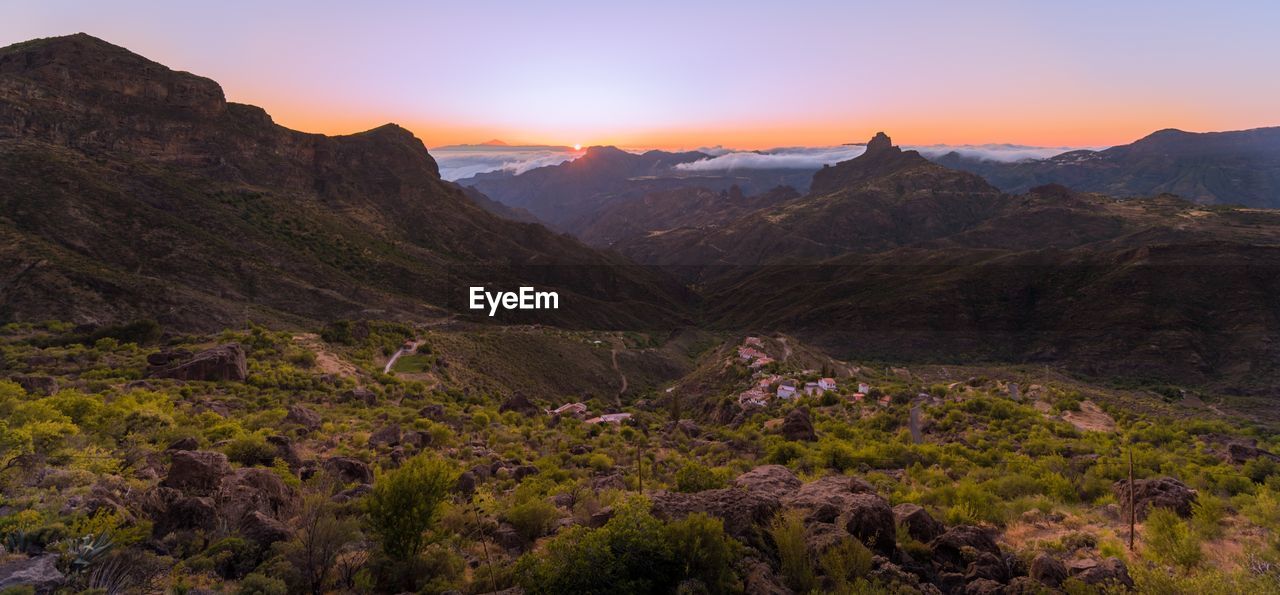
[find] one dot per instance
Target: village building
(610, 418)
(827, 384)
(577, 409)
(786, 391)
(858, 397)
(863, 388)
(813, 389)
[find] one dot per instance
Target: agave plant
(16, 542)
(86, 551)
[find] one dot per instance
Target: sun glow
(577, 147)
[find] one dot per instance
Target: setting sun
(577, 147)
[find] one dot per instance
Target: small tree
(404, 503)
(319, 540)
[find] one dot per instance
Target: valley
(240, 358)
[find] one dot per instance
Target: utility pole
(1133, 513)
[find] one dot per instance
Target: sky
(732, 73)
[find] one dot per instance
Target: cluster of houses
(579, 410)
(751, 351)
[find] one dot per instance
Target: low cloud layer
(816, 157)
(465, 161)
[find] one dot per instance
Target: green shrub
(846, 561)
(629, 554)
(787, 532)
(404, 503)
(705, 552)
(696, 477)
(1168, 539)
(532, 517)
(250, 450)
(261, 584)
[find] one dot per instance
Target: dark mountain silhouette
(1241, 167)
(683, 210)
(132, 190)
(893, 257)
(570, 195)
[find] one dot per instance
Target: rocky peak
(100, 74)
(879, 144)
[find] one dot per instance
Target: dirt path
(1090, 418)
(326, 361)
(413, 345)
(786, 349)
(916, 436)
(622, 378)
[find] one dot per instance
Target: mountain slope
(570, 195)
(672, 211)
(133, 190)
(1239, 167)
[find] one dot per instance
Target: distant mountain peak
(879, 143)
(493, 142)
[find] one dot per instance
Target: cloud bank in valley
(463, 161)
(816, 157)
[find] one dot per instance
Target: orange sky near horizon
(744, 74)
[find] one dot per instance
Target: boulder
(870, 519)
(307, 418)
(1242, 453)
(1163, 492)
(171, 510)
(466, 484)
(263, 529)
(348, 470)
(773, 481)
(37, 384)
(187, 443)
(40, 573)
(385, 436)
(919, 524)
(360, 395)
(798, 426)
(1048, 570)
(353, 493)
(519, 403)
(1100, 572)
(434, 412)
(600, 517)
(754, 499)
(987, 566)
(224, 362)
(983, 586)
(524, 471)
(947, 549)
(256, 489)
(285, 450)
(196, 471)
(760, 579)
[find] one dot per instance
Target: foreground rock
(40, 573)
(224, 362)
(1162, 492)
(798, 426)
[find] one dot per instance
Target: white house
(827, 383)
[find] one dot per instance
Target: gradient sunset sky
(734, 73)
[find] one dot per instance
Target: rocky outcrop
(919, 524)
(1100, 572)
(1242, 453)
(798, 426)
(953, 549)
(870, 519)
(349, 470)
(1048, 570)
(196, 471)
(519, 403)
(221, 363)
(305, 417)
(263, 529)
(385, 436)
(1162, 492)
(39, 573)
(752, 501)
(37, 384)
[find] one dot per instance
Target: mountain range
(135, 191)
(1238, 167)
(132, 190)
